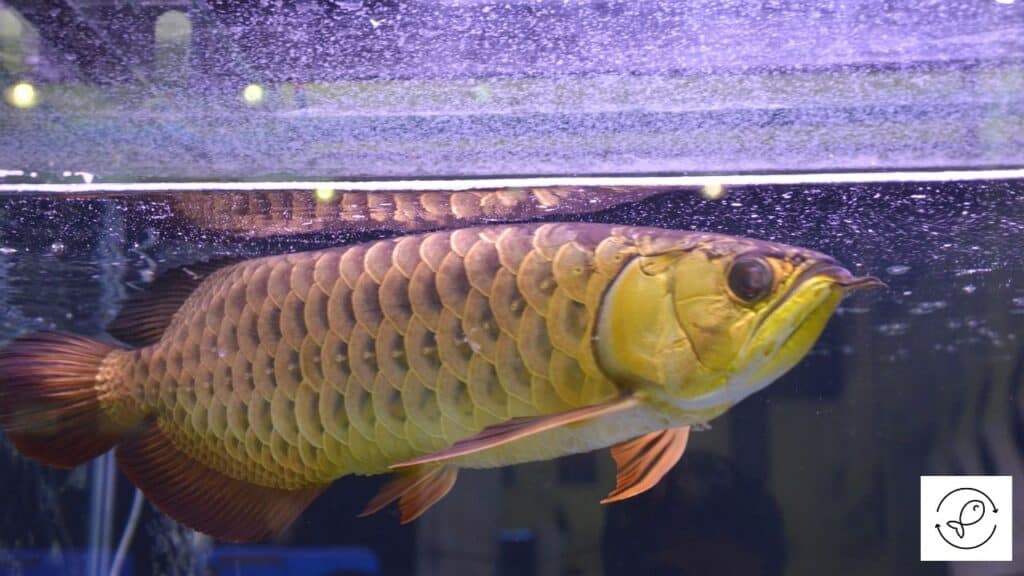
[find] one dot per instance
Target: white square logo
(967, 518)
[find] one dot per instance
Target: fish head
(709, 322)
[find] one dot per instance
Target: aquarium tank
(512, 288)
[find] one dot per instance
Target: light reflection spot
(253, 94)
(22, 95)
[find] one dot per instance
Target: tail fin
(50, 404)
(957, 527)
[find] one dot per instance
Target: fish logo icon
(967, 518)
(972, 527)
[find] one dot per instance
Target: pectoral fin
(416, 491)
(641, 462)
(518, 428)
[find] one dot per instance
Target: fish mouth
(831, 271)
(806, 305)
(828, 270)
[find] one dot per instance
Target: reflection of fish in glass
(283, 212)
(255, 387)
(970, 514)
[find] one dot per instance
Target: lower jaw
(793, 349)
(798, 343)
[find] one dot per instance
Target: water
(817, 474)
(140, 137)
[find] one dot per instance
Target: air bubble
(892, 329)
(923, 308)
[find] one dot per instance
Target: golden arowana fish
(256, 386)
(267, 213)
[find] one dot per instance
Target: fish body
(970, 514)
(265, 380)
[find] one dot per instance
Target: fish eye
(750, 278)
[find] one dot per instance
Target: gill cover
(639, 342)
(671, 320)
(715, 320)
(692, 321)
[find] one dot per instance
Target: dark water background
(818, 474)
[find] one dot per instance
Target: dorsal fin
(145, 316)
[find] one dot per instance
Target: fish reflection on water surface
(267, 213)
(253, 385)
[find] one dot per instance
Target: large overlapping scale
(293, 370)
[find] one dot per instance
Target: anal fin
(416, 491)
(642, 462)
(518, 428)
(202, 498)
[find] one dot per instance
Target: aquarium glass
(254, 254)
